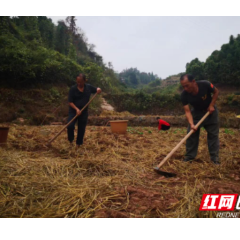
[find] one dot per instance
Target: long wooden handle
(182, 141)
(71, 120)
(89, 102)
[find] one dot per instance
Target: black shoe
(187, 160)
(216, 161)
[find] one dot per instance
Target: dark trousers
(165, 128)
(82, 123)
(211, 125)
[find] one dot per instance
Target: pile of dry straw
(111, 175)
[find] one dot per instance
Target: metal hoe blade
(165, 174)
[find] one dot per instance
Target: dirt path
(106, 106)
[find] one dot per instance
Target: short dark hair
(158, 118)
(83, 75)
(190, 77)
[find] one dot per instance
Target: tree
(231, 39)
(144, 78)
(33, 50)
(46, 28)
(62, 38)
(110, 65)
(224, 66)
(99, 60)
(72, 53)
(29, 26)
(155, 83)
(91, 47)
(71, 21)
(196, 68)
(4, 24)
(80, 41)
(133, 79)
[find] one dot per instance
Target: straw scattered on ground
(111, 175)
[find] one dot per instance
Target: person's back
(163, 125)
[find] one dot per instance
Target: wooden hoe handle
(71, 120)
(182, 141)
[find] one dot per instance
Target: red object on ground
(162, 122)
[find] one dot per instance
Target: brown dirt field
(111, 175)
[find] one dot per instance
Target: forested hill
(35, 52)
(132, 77)
(222, 66)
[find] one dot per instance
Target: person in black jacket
(202, 96)
(78, 97)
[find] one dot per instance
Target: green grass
(228, 131)
(136, 131)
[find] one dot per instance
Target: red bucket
(3, 135)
